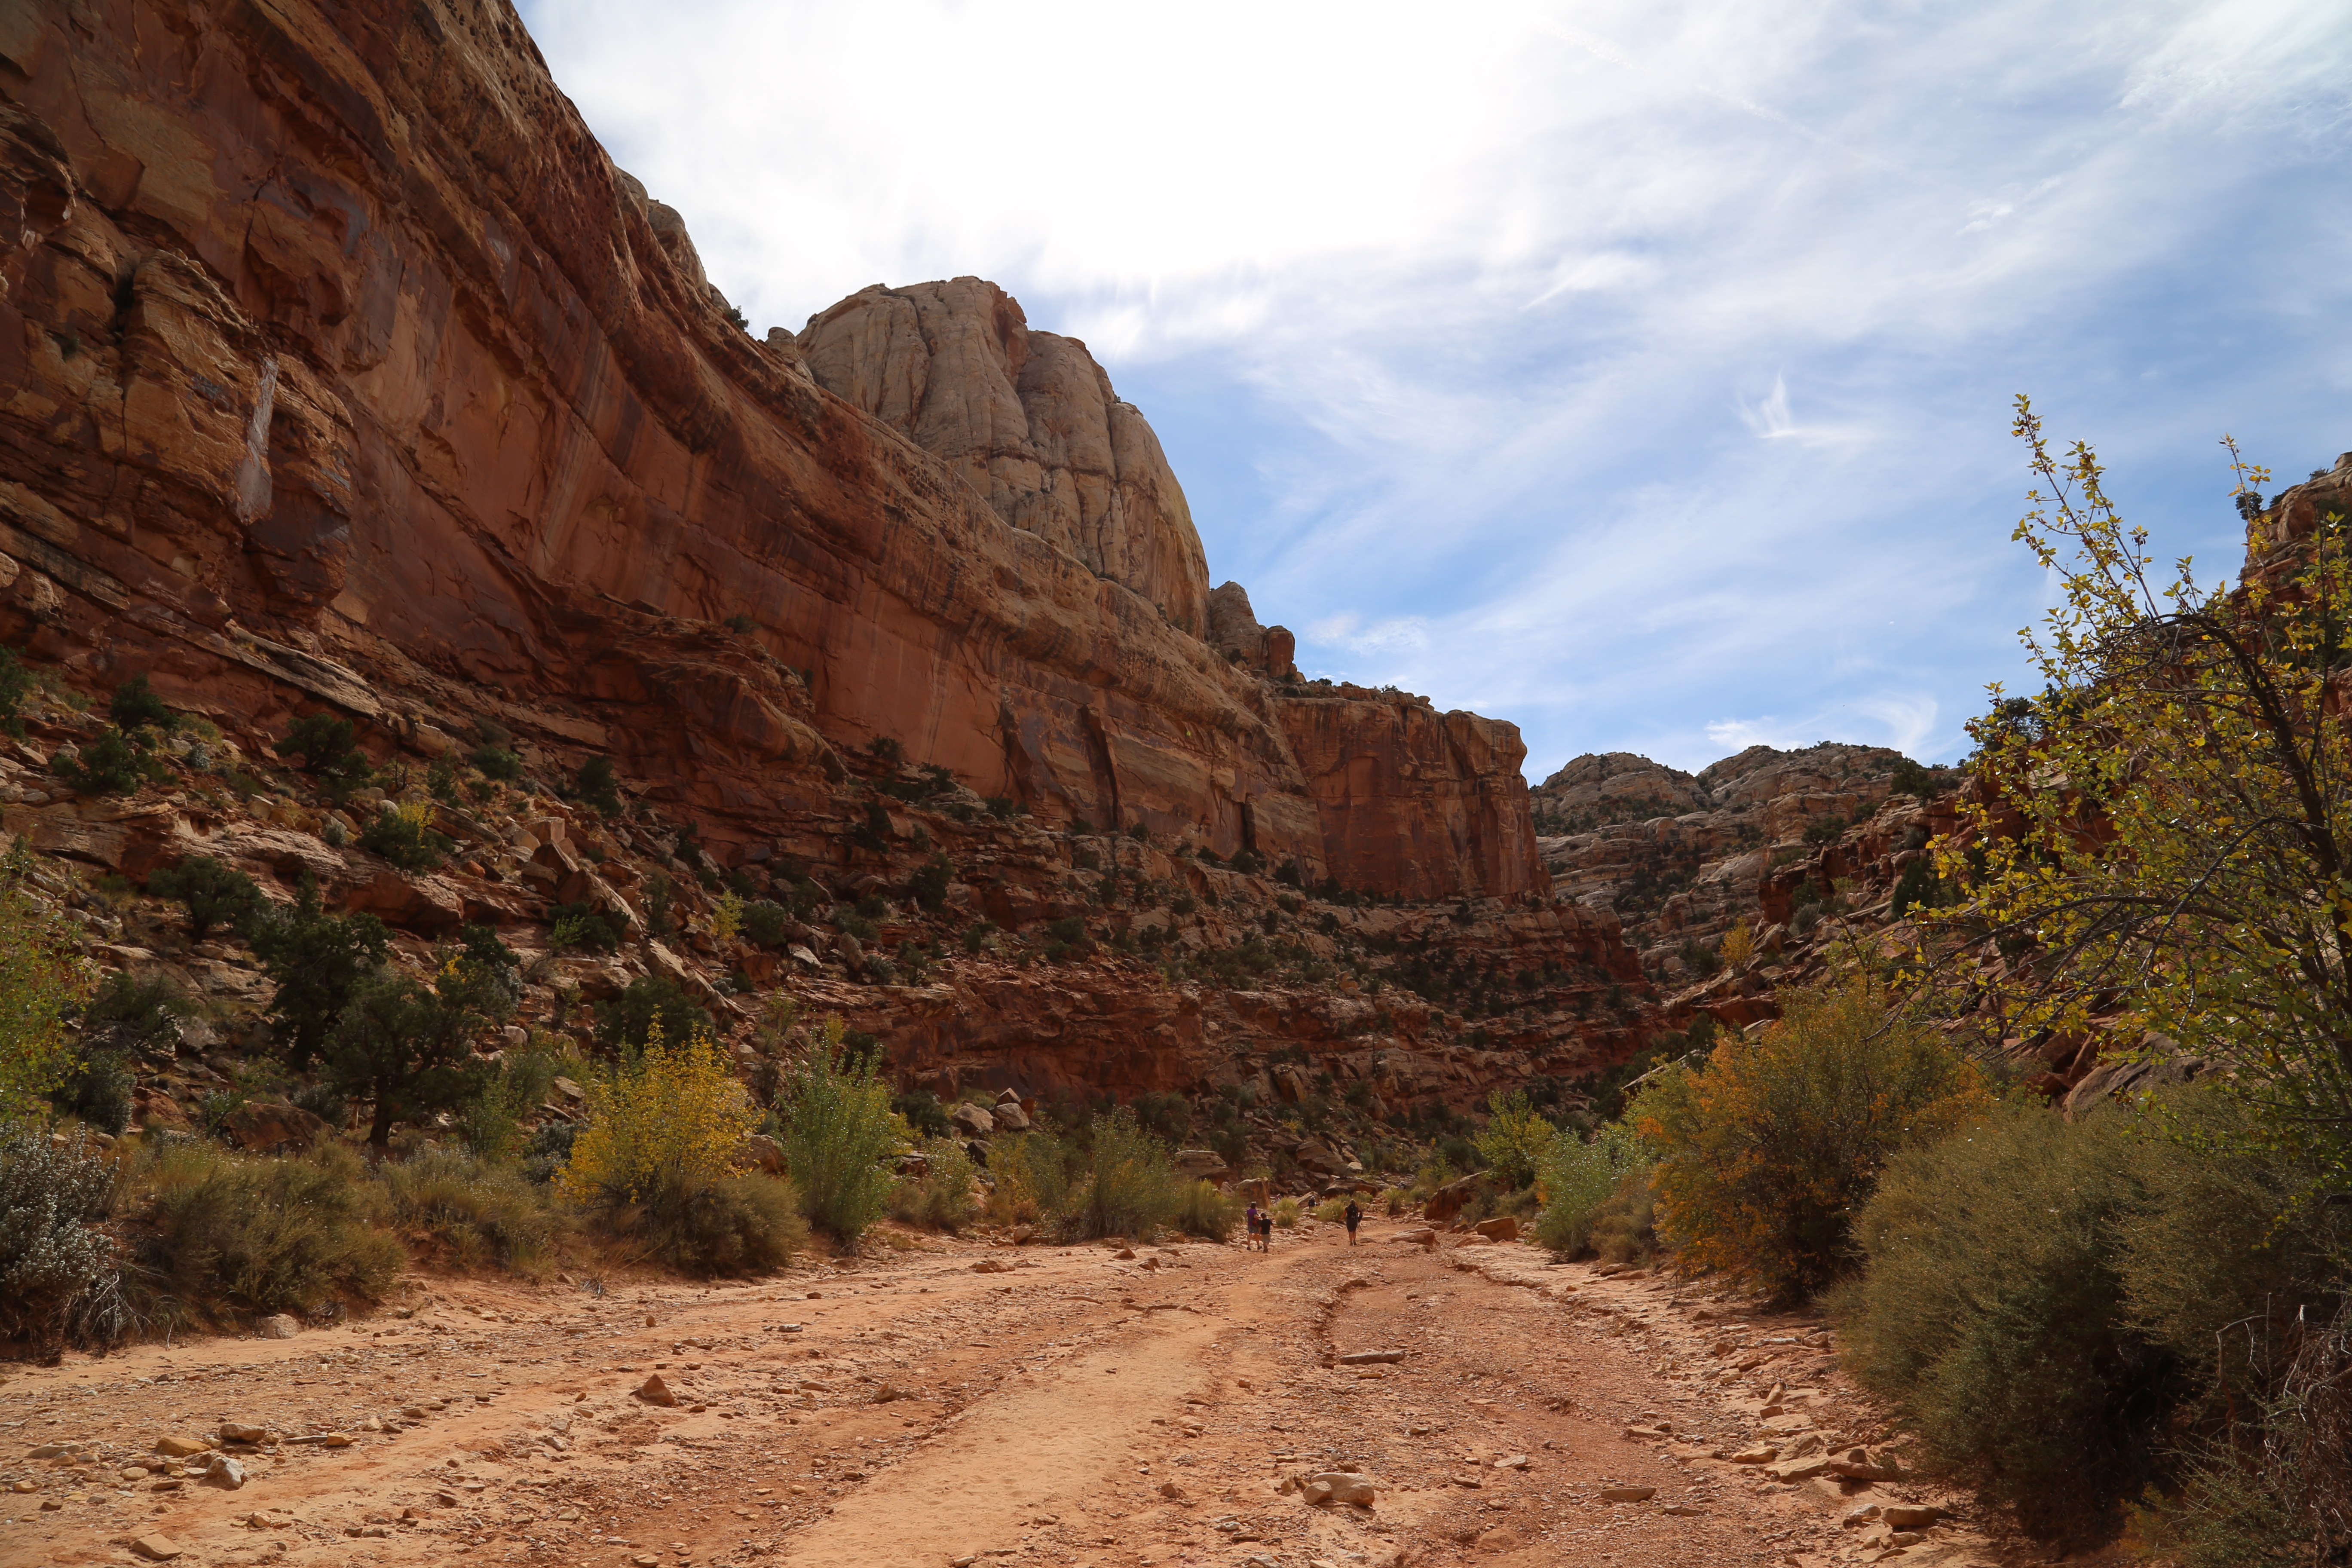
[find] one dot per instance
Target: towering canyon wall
(339, 366)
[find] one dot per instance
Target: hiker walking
(1354, 1217)
(1251, 1218)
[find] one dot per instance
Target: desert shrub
(317, 959)
(1394, 1201)
(221, 1237)
(1286, 1211)
(407, 1048)
(1207, 1210)
(214, 894)
(404, 835)
(497, 763)
(547, 1150)
(930, 881)
(2066, 1311)
(581, 928)
(658, 1163)
(1513, 1140)
(1165, 1115)
(97, 1088)
(1992, 1314)
(945, 1196)
(326, 745)
(745, 1223)
(42, 979)
(478, 1213)
(1738, 945)
(54, 1263)
(1765, 1154)
(492, 1121)
(16, 685)
(840, 1136)
(135, 709)
(1578, 1178)
(1132, 1186)
(1331, 1211)
(664, 1116)
(629, 1019)
(108, 765)
(921, 1112)
(767, 922)
(595, 785)
(137, 1011)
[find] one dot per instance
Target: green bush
(945, 1196)
(1132, 1186)
(135, 708)
(16, 685)
(581, 928)
(1992, 1315)
(2068, 1311)
(222, 1236)
(1578, 1179)
(840, 1138)
(137, 1011)
(596, 786)
(478, 1213)
(492, 1121)
(328, 753)
(214, 894)
(930, 882)
(742, 1225)
(1765, 1154)
(97, 1088)
(922, 1113)
(628, 1019)
(404, 837)
(497, 763)
(767, 922)
(55, 1264)
(1514, 1140)
(1206, 1210)
(317, 959)
(407, 1048)
(108, 765)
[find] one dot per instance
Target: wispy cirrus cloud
(1612, 367)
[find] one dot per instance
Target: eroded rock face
(1427, 803)
(340, 368)
(1028, 418)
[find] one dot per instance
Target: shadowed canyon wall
(338, 361)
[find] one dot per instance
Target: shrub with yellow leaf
(1738, 945)
(661, 1160)
(1765, 1154)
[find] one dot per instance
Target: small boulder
(1907, 1516)
(1628, 1494)
(238, 1432)
(225, 1473)
(176, 1447)
(280, 1326)
(1502, 1228)
(1171, 1491)
(156, 1548)
(654, 1390)
(1370, 1358)
(972, 1122)
(992, 1266)
(1340, 1487)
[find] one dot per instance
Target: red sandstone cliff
(338, 364)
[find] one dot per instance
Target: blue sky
(1639, 372)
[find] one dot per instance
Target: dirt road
(1065, 1407)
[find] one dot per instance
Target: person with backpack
(1250, 1219)
(1354, 1217)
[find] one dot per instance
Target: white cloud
(1456, 322)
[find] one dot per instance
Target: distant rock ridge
(1681, 857)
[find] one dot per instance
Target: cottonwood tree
(2162, 840)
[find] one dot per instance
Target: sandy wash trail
(986, 1407)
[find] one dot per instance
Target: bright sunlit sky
(1639, 372)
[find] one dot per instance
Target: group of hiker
(1260, 1224)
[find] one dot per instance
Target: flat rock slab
(1370, 1358)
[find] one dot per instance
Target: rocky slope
(345, 372)
(1680, 857)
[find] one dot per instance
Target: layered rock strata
(340, 361)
